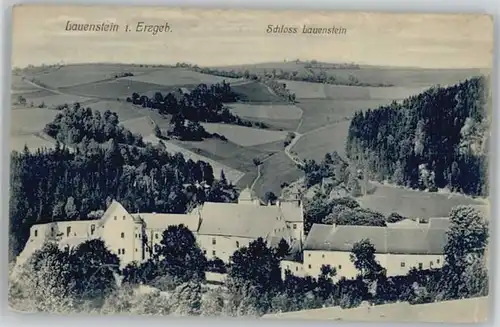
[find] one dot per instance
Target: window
(119, 251)
(213, 241)
(36, 233)
(135, 249)
(309, 255)
(309, 266)
(123, 217)
(156, 235)
(237, 244)
(123, 235)
(68, 230)
(294, 226)
(420, 265)
(123, 251)
(52, 231)
(204, 251)
(431, 263)
(437, 261)
(115, 217)
(296, 268)
(92, 229)
(340, 267)
(402, 264)
(323, 256)
(213, 252)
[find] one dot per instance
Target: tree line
(313, 73)
(437, 139)
(85, 278)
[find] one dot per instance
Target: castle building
(398, 248)
(220, 228)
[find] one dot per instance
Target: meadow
(245, 136)
(30, 120)
(321, 141)
(278, 169)
(410, 203)
(255, 92)
(178, 76)
(71, 75)
(231, 174)
(116, 89)
(272, 111)
(321, 112)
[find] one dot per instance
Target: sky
(232, 37)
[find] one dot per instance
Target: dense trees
(75, 125)
(436, 139)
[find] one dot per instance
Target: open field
(72, 75)
(272, 111)
(30, 120)
(321, 112)
(32, 141)
(232, 175)
(255, 92)
(54, 100)
(307, 90)
(245, 136)
(119, 88)
(465, 311)
(18, 84)
(411, 203)
(142, 126)
(179, 76)
(316, 144)
(275, 171)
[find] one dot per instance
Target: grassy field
(410, 203)
(275, 171)
(30, 120)
(52, 101)
(321, 112)
(32, 141)
(116, 89)
(306, 90)
(178, 76)
(316, 144)
(245, 136)
(142, 126)
(272, 111)
(232, 175)
(71, 75)
(255, 92)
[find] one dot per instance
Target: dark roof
(419, 240)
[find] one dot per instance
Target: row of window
(420, 264)
(117, 218)
(214, 242)
(121, 251)
(68, 231)
(213, 252)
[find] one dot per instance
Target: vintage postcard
(233, 163)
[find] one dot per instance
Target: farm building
(220, 228)
(398, 249)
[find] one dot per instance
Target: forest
(437, 139)
(63, 184)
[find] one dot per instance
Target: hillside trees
(436, 139)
